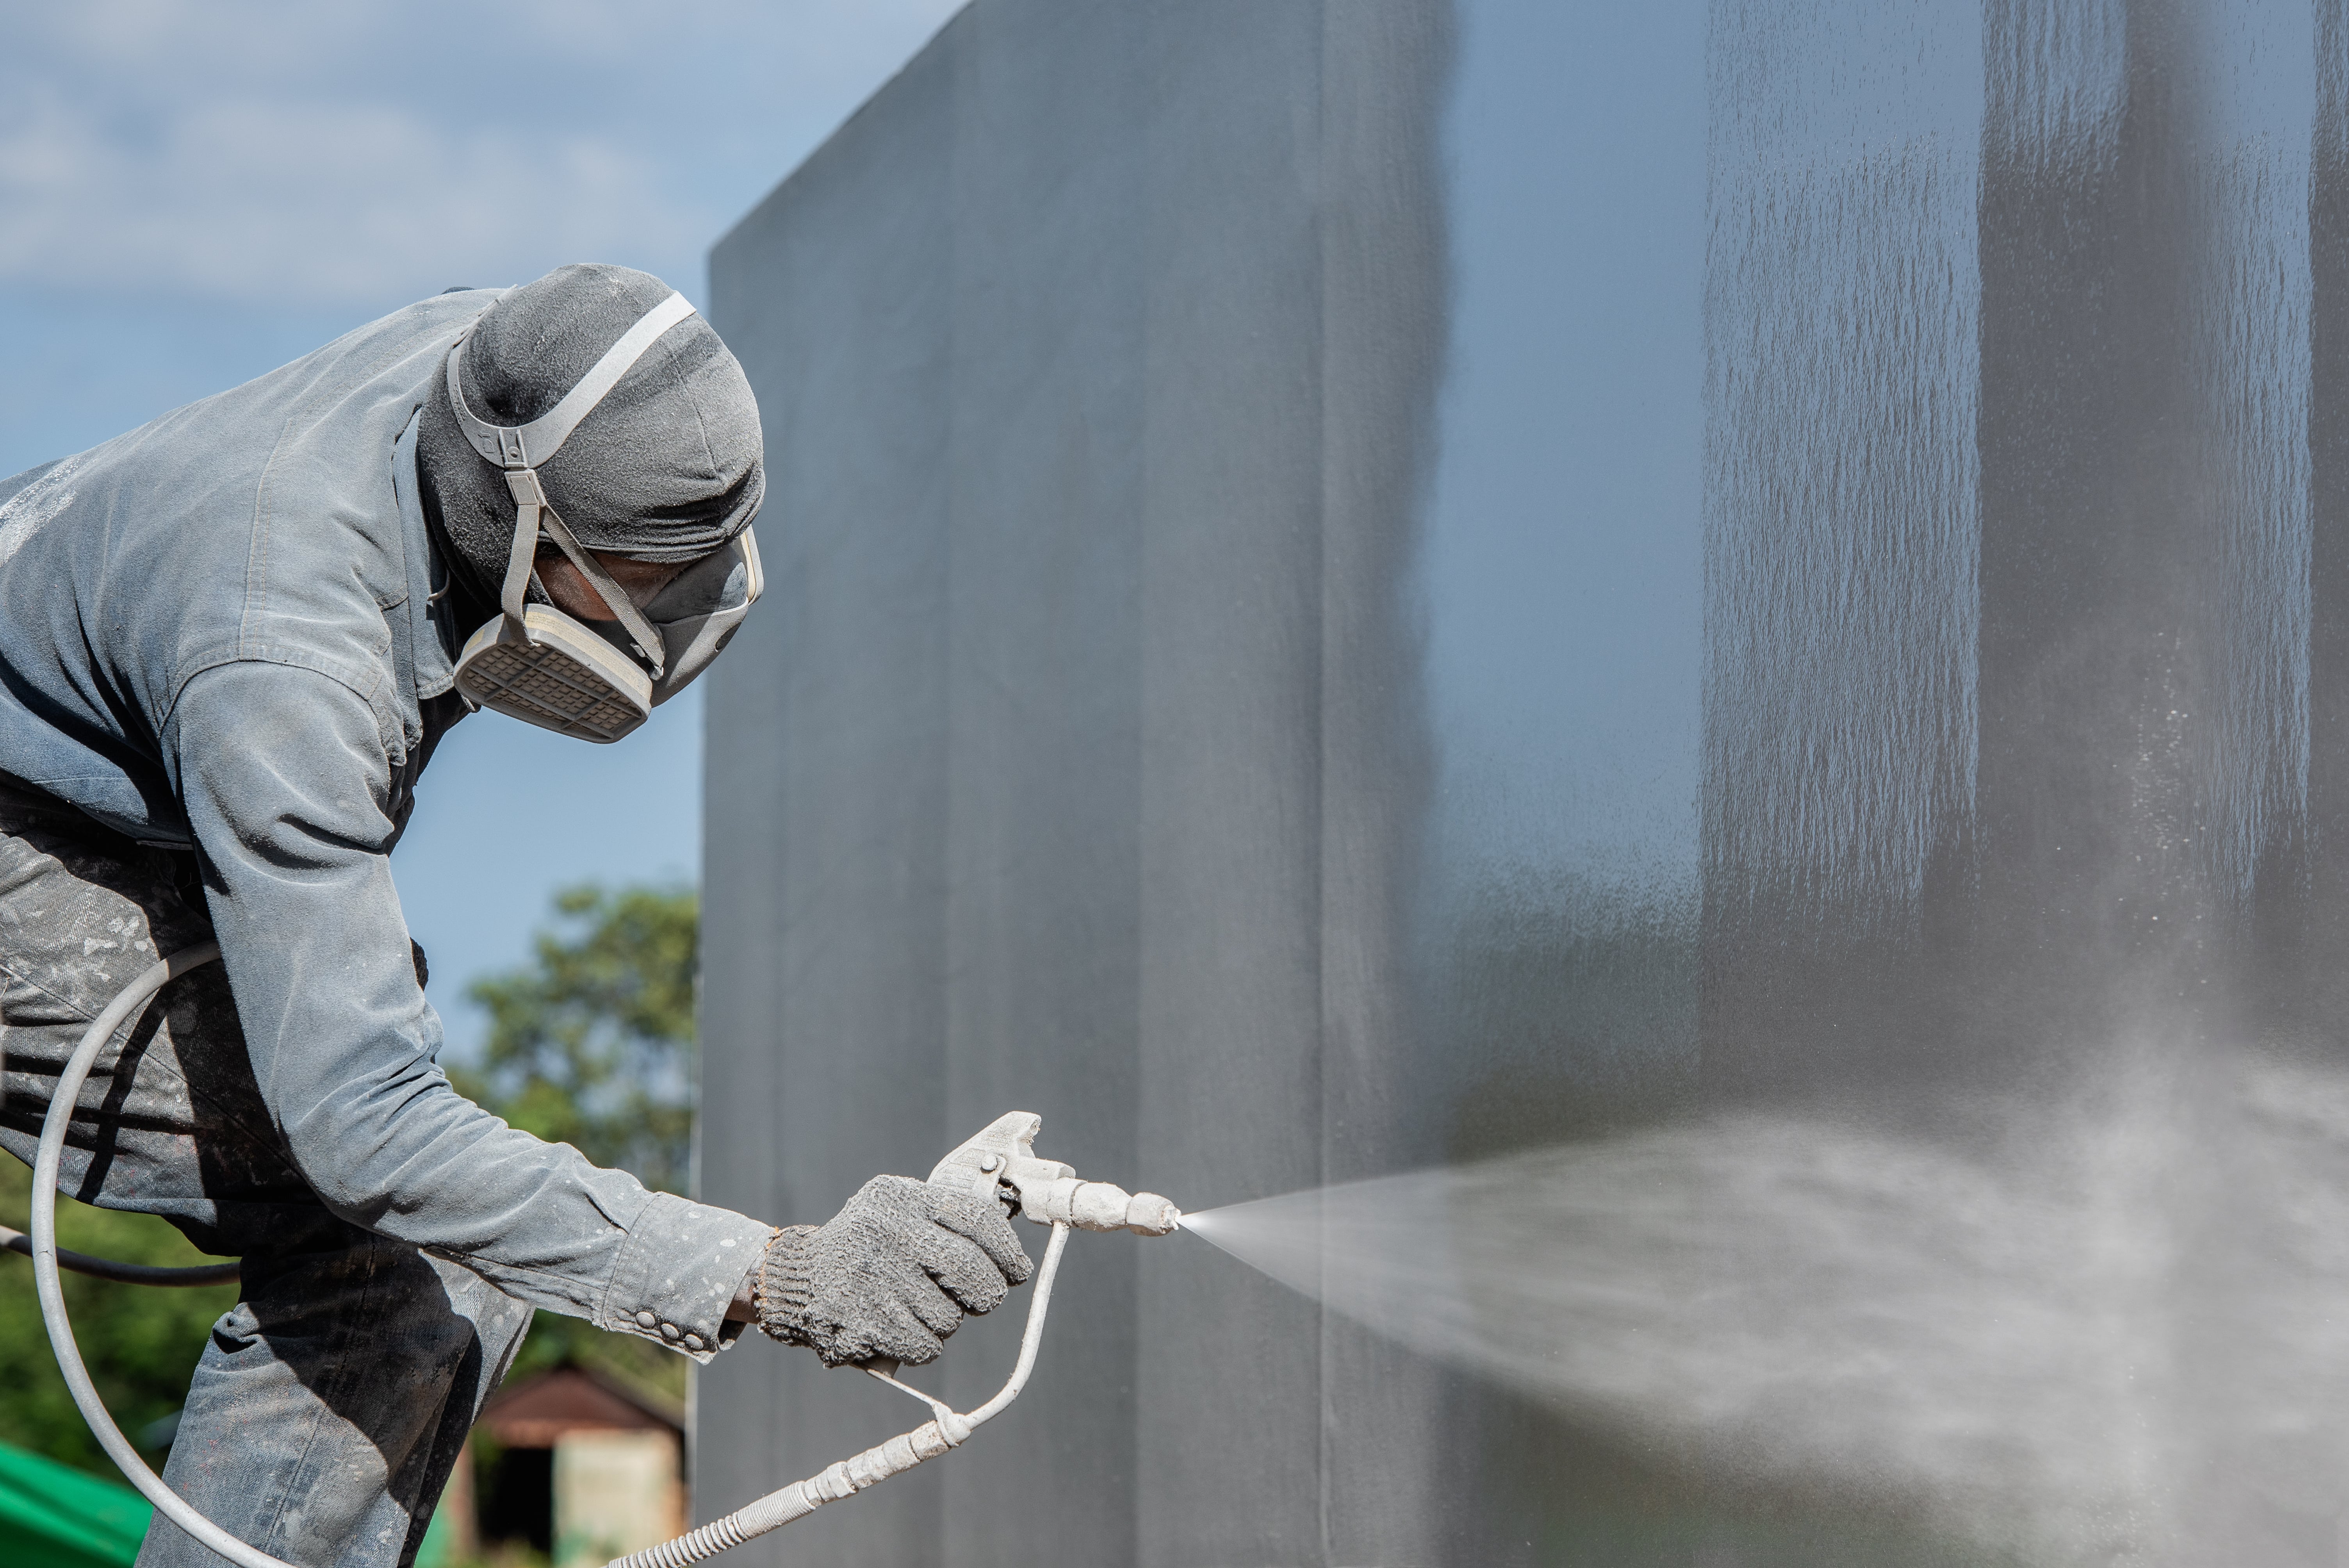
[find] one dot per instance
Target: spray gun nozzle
(1148, 1215)
(1046, 1190)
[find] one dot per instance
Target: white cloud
(365, 154)
(312, 201)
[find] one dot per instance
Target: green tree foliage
(591, 1044)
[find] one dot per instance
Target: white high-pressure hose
(943, 1431)
(12, 1241)
(68, 1094)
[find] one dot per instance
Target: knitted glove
(891, 1274)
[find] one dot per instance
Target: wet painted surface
(1729, 618)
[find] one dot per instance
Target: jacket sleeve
(286, 787)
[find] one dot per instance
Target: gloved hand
(891, 1274)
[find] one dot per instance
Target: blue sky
(192, 193)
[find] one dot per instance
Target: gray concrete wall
(1750, 587)
(1045, 809)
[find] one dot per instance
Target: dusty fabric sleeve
(285, 784)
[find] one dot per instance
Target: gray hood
(666, 468)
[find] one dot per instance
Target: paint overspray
(2007, 762)
(2040, 1346)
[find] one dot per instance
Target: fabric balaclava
(666, 468)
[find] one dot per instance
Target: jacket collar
(431, 648)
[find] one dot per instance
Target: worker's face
(575, 596)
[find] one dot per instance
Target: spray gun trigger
(991, 1164)
(992, 1158)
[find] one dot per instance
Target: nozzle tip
(1148, 1215)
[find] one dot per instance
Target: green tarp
(53, 1516)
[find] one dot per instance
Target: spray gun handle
(1047, 1191)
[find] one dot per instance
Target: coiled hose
(944, 1430)
(67, 1095)
(107, 1268)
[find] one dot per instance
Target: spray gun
(1000, 1161)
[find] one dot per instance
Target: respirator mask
(538, 665)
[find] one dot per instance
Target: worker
(229, 641)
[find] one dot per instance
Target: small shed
(589, 1470)
(539, 1412)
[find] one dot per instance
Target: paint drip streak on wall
(2252, 303)
(1841, 528)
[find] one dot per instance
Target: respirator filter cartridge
(558, 675)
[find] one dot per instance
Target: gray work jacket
(218, 631)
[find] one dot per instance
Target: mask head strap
(518, 450)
